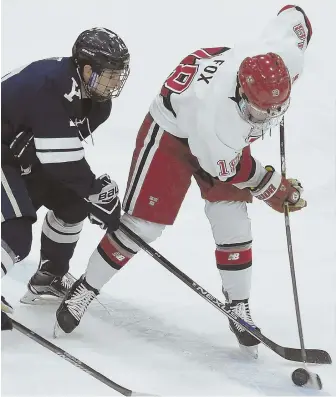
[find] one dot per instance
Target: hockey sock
(109, 257)
(58, 242)
(234, 262)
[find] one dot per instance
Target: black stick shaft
(71, 359)
(290, 245)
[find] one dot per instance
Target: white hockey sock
(98, 272)
(237, 283)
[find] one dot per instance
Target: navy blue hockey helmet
(108, 56)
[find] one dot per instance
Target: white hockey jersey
(197, 100)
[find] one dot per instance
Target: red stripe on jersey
(201, 54)
(215, 50)
(285, 8)
(112, 252)
(234, 257)
(308, 24)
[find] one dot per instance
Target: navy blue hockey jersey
(45, 99)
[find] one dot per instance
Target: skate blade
(29, 298)
(249, 351)
(57, 332)
(6, 309)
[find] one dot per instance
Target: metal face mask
(108, 84)
(262, 118)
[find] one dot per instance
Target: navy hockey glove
(23, 149)
(105, 209)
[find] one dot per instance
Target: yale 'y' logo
(75, 91)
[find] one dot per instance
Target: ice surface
(152, 333)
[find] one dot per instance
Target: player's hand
(277, 191)
(105, 209)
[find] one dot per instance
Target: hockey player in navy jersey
(48, 108)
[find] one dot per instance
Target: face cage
(259, 118)
(99, 87)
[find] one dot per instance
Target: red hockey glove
(276, 191)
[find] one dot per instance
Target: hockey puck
(301, 377)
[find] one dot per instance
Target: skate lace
(79, 301)
(242, 310)
(67, 281)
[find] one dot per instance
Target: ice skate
(247, 342)
(45, 288)
(73, 306)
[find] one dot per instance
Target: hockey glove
(277, 191)
(105, 209)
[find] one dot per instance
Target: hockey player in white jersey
(201, 124)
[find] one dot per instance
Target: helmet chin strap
(83, 88)
(93, 80)
(91, 84)
(84, 94)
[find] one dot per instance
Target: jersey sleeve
(288, 34)
(57, 143)
(301, 26)
(220, 160)
(238, 168)
(291, 25)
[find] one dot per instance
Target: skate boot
(247, 342)
(45, 287)
(6, 321)
(74, 305)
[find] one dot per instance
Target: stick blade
(314, 356)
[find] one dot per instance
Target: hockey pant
(161, 172)
(21, 197)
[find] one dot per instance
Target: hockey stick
(312, 379)
(73, 360)
(313, 355)
(290, 245)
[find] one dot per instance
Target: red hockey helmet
(266, 85)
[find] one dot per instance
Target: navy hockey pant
(21, 197)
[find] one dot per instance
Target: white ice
(154, 334)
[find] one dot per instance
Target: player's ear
(87, 71)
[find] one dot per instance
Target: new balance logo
(234, 257)
(118, 256)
